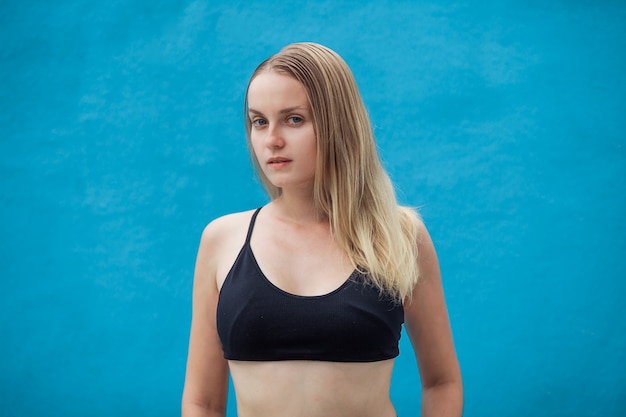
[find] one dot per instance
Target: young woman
(303, 300)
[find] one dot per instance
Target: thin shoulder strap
(252, 220)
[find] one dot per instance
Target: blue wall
(121, 136)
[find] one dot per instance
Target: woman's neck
(298, 208)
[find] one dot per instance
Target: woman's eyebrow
(283, 111)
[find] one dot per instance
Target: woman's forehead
(271, 88)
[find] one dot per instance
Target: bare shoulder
(424, 240)
(222, 228)
(221, 241)
(426, 253)
(414, 226)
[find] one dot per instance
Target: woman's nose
(274, 138)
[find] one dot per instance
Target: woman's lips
(278, 162)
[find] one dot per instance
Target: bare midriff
(312, 389)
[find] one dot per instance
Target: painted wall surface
(121, 136)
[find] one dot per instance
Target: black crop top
(257, 321)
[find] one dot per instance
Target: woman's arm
(206, 380)
(428, 327)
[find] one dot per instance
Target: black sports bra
(257, 321)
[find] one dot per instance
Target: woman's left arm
(428, 327)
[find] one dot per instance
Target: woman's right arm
(206, 379)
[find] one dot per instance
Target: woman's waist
(312, 388)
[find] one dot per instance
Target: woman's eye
(259, 122)
(295, 120)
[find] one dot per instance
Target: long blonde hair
(351, 186)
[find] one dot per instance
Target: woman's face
(282, 132)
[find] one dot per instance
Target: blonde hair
(351, 186)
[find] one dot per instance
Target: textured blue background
(121, 136)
